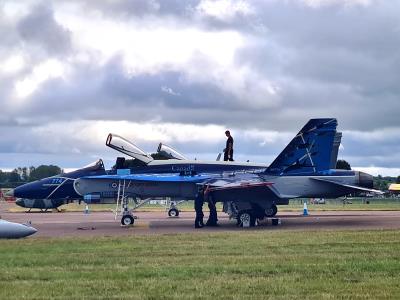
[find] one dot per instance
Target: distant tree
(3, 176)
(24, 174)
(398, 179)
(382, 183)
(44, 171)
(31, 169)
(13, 176)
(343, 165)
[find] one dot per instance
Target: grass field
(250, 264)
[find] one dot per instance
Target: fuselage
(55, 191)
(186, 187)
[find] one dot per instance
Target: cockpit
(141, 158)
(169, 153)
(124, 146)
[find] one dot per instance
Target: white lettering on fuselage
(184, 168)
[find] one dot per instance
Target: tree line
(27, 174)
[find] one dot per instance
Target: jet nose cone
(30, 230)
(10, 193)
(11, 230)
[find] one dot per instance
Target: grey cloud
(333, 61)
(41, 29)
(96, 91)
(139, 8)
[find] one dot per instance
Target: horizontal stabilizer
(349, 186)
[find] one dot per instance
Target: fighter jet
(52, 192)
(304, 169)
(11, 230)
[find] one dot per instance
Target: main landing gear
(270, 212)
(246, 218)
(249, 217)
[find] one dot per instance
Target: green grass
(254, 264)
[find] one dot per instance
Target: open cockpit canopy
(96, 165)
(169, 153)
(124, 146)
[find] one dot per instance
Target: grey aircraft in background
(11, 230)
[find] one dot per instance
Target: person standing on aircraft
(228, 151)
(198, 207)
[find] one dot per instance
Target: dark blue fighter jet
(52, 192)
(304, 169)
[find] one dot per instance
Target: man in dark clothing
(198, 207)
(228, 151)
(213, 218)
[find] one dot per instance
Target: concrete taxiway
(103, 223)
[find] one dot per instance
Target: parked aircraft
(305, 168)
(11, 230)
(52, 192)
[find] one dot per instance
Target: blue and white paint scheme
(52, 192)
(305, 168)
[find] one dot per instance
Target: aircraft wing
(349, 186)
(242, 190)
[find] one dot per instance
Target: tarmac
(70, 224)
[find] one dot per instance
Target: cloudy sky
(182, 72)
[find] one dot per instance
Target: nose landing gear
(173, 212)
(127, 220)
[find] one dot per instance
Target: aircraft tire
(246, 215)
(127, 220)
(173, 212)
(272, 211)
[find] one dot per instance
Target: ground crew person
(228, 151)
(198, 207)
(213, 217)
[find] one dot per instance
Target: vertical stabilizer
(310, 151)
(335, 149)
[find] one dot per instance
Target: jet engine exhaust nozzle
(365, 180)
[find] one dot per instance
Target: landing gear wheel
(127, 220)
(246, 216)
(173, 212)
(270, 212)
